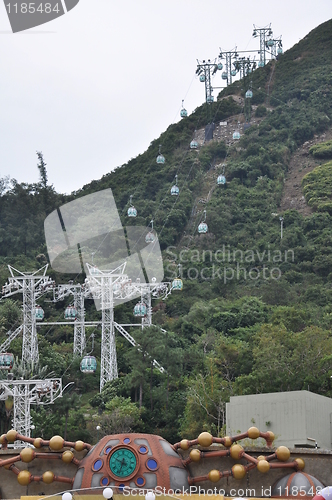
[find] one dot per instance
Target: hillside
(255, 312)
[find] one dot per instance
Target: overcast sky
(94, 87)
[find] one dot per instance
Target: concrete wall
(317, 463)
(292, 416)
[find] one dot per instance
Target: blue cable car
(70, 312)
(160, 157)
(210, 98)
(261, 64)
(183, 112)
(233, 72)
(202, 78)
(6, 361)
(203, 227)
(221, 181)
(220, 66)
(132, 212)
(88, 364)
(224, 75)
(249, 94)
(279, 51)
(140, 310)
(150, 237)
(39, 312)
(193, 144)
(236, 135)
(177, 284)
(270, 43)
(174, 189)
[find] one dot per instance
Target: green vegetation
(317, 188)
(322, 150)
(255, 313)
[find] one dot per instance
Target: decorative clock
(123, 462)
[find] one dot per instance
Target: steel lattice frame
(33, 285)
(24, 394)
(262, 41)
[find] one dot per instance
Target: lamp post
(98, 429)
(281, 226)
(32, 427)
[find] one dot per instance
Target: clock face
(123, 462)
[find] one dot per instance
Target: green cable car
(177, 284)
(88, 364)
(39, 312)
(6, 361)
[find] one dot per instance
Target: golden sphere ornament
(195, 455)
(11, 436)
(48, 477)
(79, 446)
(271, 437)
(27, 455)
(263, 466)
(238, 471)
(37, 443)
(184, 444)
(24, 477)
(282, 453)
(205, 439)
(56, 443)
(253, 433)
(214, 475)
(300, 463)
(228, 442)
(236, 451)
(67, 456)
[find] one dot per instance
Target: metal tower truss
(79, 293)
(32, 285)
(272, 45)
(204, 70)
(26, 393)
(11, 336)
(263, 33)
(112, 287)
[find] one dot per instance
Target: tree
(42, 169)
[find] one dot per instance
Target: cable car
(39, 312)
(202, 78)
(177, 284)
(160, 157)
(270, 43)
(279, 51)
(140, 310)
(88, 364)
(6, 361)
(210, 98)
(94, 271)
(70, 312)
(233, 72)
(220, 66)
(261, 64)
(132, 212)
(224, 75)
(203, 227)
(236, 135)
(249, 94)
(150, 237)
(221, 180)
(193, 144)
(183, 112)
(174, 189)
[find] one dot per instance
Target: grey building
(292, 416)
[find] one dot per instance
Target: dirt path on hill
(301, 163)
